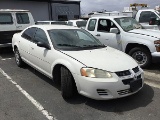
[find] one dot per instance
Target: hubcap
(140, 57)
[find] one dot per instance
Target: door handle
(98, 35)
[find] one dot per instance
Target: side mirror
(114, 30)
(152, 21)
(42, 44)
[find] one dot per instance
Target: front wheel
(141, 55)
(67, 83)
(18, 59)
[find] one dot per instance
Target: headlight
(157, 45)
(95, 73)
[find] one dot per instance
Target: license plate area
(135, 85)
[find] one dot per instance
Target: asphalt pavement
(26, 94)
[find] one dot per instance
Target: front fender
(72, 65)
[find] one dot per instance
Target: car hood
(108, 59)
(146, 33)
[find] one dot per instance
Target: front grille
(124, 92)
(102, 92)
(127, 81)
(123, 73)
(136, 69)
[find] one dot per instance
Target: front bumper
(155, 57)
(109, 88)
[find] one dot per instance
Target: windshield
(158, 12)
(128, 23)
(73, 39)
(81, 23)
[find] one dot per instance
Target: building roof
(47, 0)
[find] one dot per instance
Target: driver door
(41, 56)
(104, 35)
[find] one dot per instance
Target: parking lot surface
(14, 105)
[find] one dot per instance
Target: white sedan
(74, 58)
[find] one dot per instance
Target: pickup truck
(126, 34)
(13, 21)
(148, 18)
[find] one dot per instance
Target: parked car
(80, 62)
(126, 34)
(77, 23)
(13, 21)
(51, 23)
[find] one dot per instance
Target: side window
(146, 15)
(83, 36)
(105, 25)
(6, 18)
(70, 23)
(40, 36)
(92, 24)
(22, 18)
(29, 33)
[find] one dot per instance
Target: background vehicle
(126, 34)
(77, 23)
(149, 18)
(12, 21)
(73, 57)
(51, 23)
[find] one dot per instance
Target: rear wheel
(67, 83)
(141, 55)
(18, 59)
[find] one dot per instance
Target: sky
(88, 6)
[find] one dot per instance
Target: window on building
(92, 24)
(76, 16)
(62, 18)
(22, 18)
(146, 15)
(29, 33)
(6, 18)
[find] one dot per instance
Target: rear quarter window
(6, 18)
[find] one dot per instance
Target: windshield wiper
(68, 45)
(94, 45)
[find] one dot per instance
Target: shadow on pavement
(154, 68)
(6, 52)
(140, 99)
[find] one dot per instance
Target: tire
(18, 59)
(67, 83)
(142, 56)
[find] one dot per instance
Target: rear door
(22, 20)
(25, 42)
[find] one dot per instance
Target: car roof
(76, 20)
(50, 27)
(109, 17)
(13, 10)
